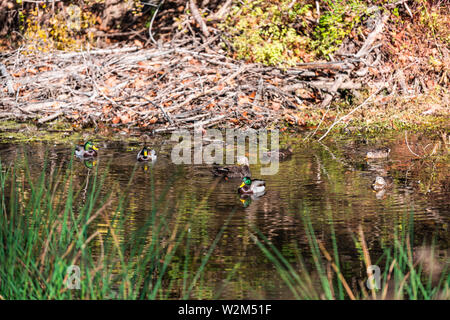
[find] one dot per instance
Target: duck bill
(95, 148)
(243, 184)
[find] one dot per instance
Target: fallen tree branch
(351, 112)
(366, 47)
(198, 18)
(322, 85)
(153, 19)
(50, 117)
(204, 124)
(407, 144)
(329, 96)
(97, 52)
(9, 83)
(221, 13)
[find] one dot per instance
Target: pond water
(329, 181)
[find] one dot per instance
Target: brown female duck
(240, 170)
(282, 153)
(378, 153)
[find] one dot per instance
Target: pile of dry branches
(176, 85)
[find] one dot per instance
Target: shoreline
(31, 131)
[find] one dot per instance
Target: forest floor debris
(183, 83)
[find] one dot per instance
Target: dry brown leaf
(139, 83)
(125, 118)
(275, 106)
(44, 68)
(111, 81)
(244, 99)
(18, 74)
(194, 62)
(116, 120)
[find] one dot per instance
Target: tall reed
(48, 225)
(403, 275)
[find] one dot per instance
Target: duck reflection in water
(146, 166)
(90, 163)
(381, 185)
(246, 199)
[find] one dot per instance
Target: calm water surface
(331, 182)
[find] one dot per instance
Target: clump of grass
(405, 276)
(50, 224)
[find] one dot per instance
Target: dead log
(329, 96)
(50, 117)
(322, 85)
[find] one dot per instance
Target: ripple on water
(329, 185)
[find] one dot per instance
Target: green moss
(13, 132)
(336, 23)
(56, 132)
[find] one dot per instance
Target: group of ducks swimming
(89, 151)
(248, 186)
(256, 187)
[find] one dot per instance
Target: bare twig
(153, 19)
(220, 14)
(98, 52)
(198, 18)
(350, 113)
(407, 144)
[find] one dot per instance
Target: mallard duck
(240, 170)
(282, 153)
(382, 183)
(146, 155)
(89, 150)
(250, 186)
(378, 153)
